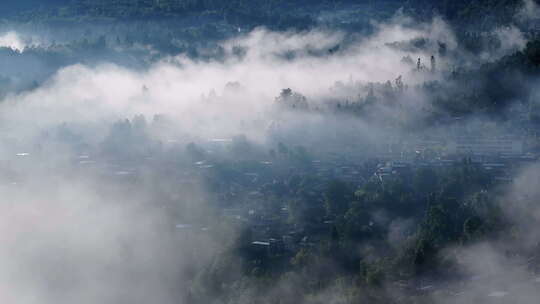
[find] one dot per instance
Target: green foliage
(245, 13)
(305, 210)
(374, 275)
(337, 198)
(345, 233)
(357, 224)
(467, 12)
(532, 52)
(303, 258)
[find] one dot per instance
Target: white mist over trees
(290, 166)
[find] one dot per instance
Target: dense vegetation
(291, 227)
(274, 14)
(470, 13)
(373, 236)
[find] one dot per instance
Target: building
(482, 146)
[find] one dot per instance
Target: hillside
(301, 13)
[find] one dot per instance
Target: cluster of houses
(270, 235)
(501, 156)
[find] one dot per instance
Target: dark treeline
(469, 13)
(299, 14)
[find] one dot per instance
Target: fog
(528, 11)
(12, 40)
(96, 210)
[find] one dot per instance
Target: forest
(269, 151)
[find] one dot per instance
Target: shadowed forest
(323, 151)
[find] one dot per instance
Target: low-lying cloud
(72, 234)
(12, 40)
